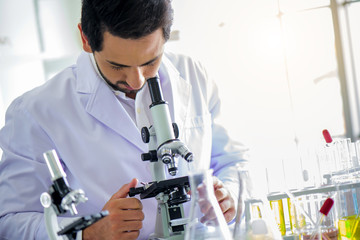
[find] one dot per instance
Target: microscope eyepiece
(155, 91)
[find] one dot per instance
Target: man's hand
(225, 200)
(124, 220)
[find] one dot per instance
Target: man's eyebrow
(117, 64)
(125, 66)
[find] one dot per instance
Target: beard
(118, 84)
(118, 87)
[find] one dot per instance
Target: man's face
(126, 63)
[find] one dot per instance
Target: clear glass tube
(206, 218)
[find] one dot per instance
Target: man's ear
(85, 41)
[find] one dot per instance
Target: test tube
(278, 210)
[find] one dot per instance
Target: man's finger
(217, 183)
(130, 215)
(124, 190)
(225, 205)
(209, 216)
(221, 194)
(131, 234)
(131, 225)
(204, 205)
(230, 214)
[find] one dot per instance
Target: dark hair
(129, 19)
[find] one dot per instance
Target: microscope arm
(60, 199)
(71, 230)
(162, 136)
(164, 148)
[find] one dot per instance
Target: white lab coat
(77, 114)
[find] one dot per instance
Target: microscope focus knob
(145, 135)
(150, 156)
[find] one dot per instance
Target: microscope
(164, 149)
(60, 199)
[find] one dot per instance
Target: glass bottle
(206, 218)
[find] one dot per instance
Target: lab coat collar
(87, 79)
(103, 105)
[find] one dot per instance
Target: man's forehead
(132, 52)
(141, 65)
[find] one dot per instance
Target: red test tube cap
(327, 136)
(326, 207)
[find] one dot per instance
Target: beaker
(206, 218)
(347, 208)
(320, 208)
(259, 222)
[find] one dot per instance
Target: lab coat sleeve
(28, 226)
(227, 155)
(23, 175)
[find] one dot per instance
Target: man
(91, 114)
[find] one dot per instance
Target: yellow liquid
(278, 210)
(349, 228)
(297, 220)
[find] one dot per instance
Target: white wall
(37, 40)
(20, 65)
(271, 100)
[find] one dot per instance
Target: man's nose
(136, 78)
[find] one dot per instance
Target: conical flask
(254, 220)
(206, 219)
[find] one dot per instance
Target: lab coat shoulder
(190, 69)
(50, 95)
(28, 111)
(201, 130)
(204, 89)
(224, 150)
(57, 101)
(184, 64)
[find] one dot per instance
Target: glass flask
(254, 218)
(211, 224)
(244, 192)
(259, 222)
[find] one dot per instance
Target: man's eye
(116, 68)
(151, 64)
